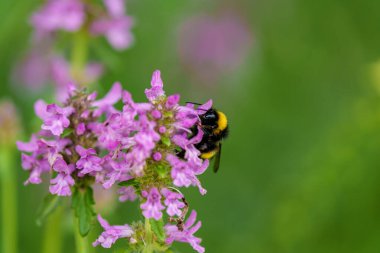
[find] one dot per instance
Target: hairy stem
(53, 232)
(148, 238)
(8, 200)
(81, 243)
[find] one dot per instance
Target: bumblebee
(214, 125)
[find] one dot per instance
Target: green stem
(79, 56)
(53, 232)
(148, 238)
(81, 243)
(8, 200)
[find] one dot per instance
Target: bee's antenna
(193, 103)
(201, 109)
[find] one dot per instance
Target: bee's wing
(217, 158)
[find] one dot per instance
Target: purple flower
(186, 117)
(44, 155)
(65, 15)
(202, 109)
(33, 70)
(116, 8)
(53, 149)
(187, 235)
(111, 233)
(109, 136)
(88, 161)
(172, 201)
(105, 105)
(35, 166)
(37, 162)
(191, 153)
(81, 128)
(184, 174)
(115, 26)
(30, 146)
(162, 129)
(54, 117)
(61, 166)
(127, 193)
(156, 114)
(152, 207)
(116, 168)
(157, 156)
(142, 145)
(147, 137)
(156, 91)
(132, 108)
(172, 101)
(61, 184)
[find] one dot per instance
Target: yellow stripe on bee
(222, 122)
(209, 154)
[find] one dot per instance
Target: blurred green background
(300, 170)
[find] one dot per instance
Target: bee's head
(215, 120)
(210, 118)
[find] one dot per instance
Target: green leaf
(66, 132)
(158, 229)
(82, 203)
(47, 207)
(166, 141)
(128, 182)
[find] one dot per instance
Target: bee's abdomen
(208, 149)
(209, 155)
(206, 146)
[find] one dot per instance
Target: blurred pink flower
(33, 69)
(213, 46)
(41, 66)
(115, 26)
(30, 72)
(67, 15)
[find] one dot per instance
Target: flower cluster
(138, 147)
(84, 20)
(59, 147)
